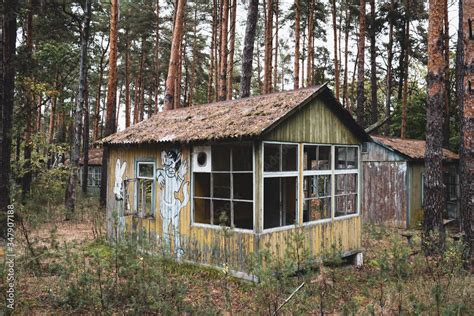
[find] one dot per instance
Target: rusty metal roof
(412, 148)
(236, 119)
(95, 157)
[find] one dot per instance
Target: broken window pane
(242, 158)
(289, 157)
(243, 215)
(221, 185)
(272, 157)
(220, 158)
(202, 184)
(243, 186)
(279, 202)
(324, 157)
(346, 157)
(340, 157)
(221, 212)
(202, 211)
(351, 158)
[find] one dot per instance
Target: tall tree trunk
(52, 115)
(373, 67)
(233, 15)
(360, 67)
(102, 65)
(247, 54)
(303, 57)
(157, 56)
(267, 64)
(70, 202)
(275, 63)
(141, 81)
(405, 71)
(388, 100)
(179, 76)
(9, 29)
(466, 111)
(345, 96)
(111, 102)
(85, 138)
(309, 64)
(193, 65)
(29, 105)
(447, 89)
(434, 203)
(136, 100)
(223, 51)
(296, 69)
(127, 77)
(175, 56)
(210, 82)
(336, 61)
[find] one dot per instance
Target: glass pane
(243, 186)
(242, 158)
(316, 209)
(202, 211)
(340, 157)
(243, 215)
(341, 202)
(145, 197)
(351, 158)
(324, 158)
(221, 185)
(351, 183)
(317, 186)
(145, 170)
(279, 202)
(351, 206)
(221, 212)
(289, 156)
(202, 184)
(271, 157)
(309, 158)
(340, 184)
(220, 158)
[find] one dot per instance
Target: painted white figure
(171, 177)
(119, 194)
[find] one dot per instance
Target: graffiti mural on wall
(119, 193)
(171, 178)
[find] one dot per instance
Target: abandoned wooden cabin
(94, 169)
(393, 171)
(267, 166)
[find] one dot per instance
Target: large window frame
(138, 177)
(231, 200)
(280, 174)
(301, 173)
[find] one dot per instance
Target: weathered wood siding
(315, 123)
(384, 198)
(376, 152)
(200, 244)
(342, 235)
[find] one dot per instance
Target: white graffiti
(171, 177)
(118, 186)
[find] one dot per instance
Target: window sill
(217, 227)
(338, 218)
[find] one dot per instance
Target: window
(346, 157)
(346, 194)
(451, 182)
(145, 189)
(317, 157)
(224, 196)
(94, 176)
(280, 184)
(317, 197)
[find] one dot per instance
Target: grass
(80, 272)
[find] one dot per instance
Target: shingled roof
(411, 148)
(236, 119)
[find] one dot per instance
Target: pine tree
(434, 201)
(249, 43)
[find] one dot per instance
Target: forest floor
(68, 268)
